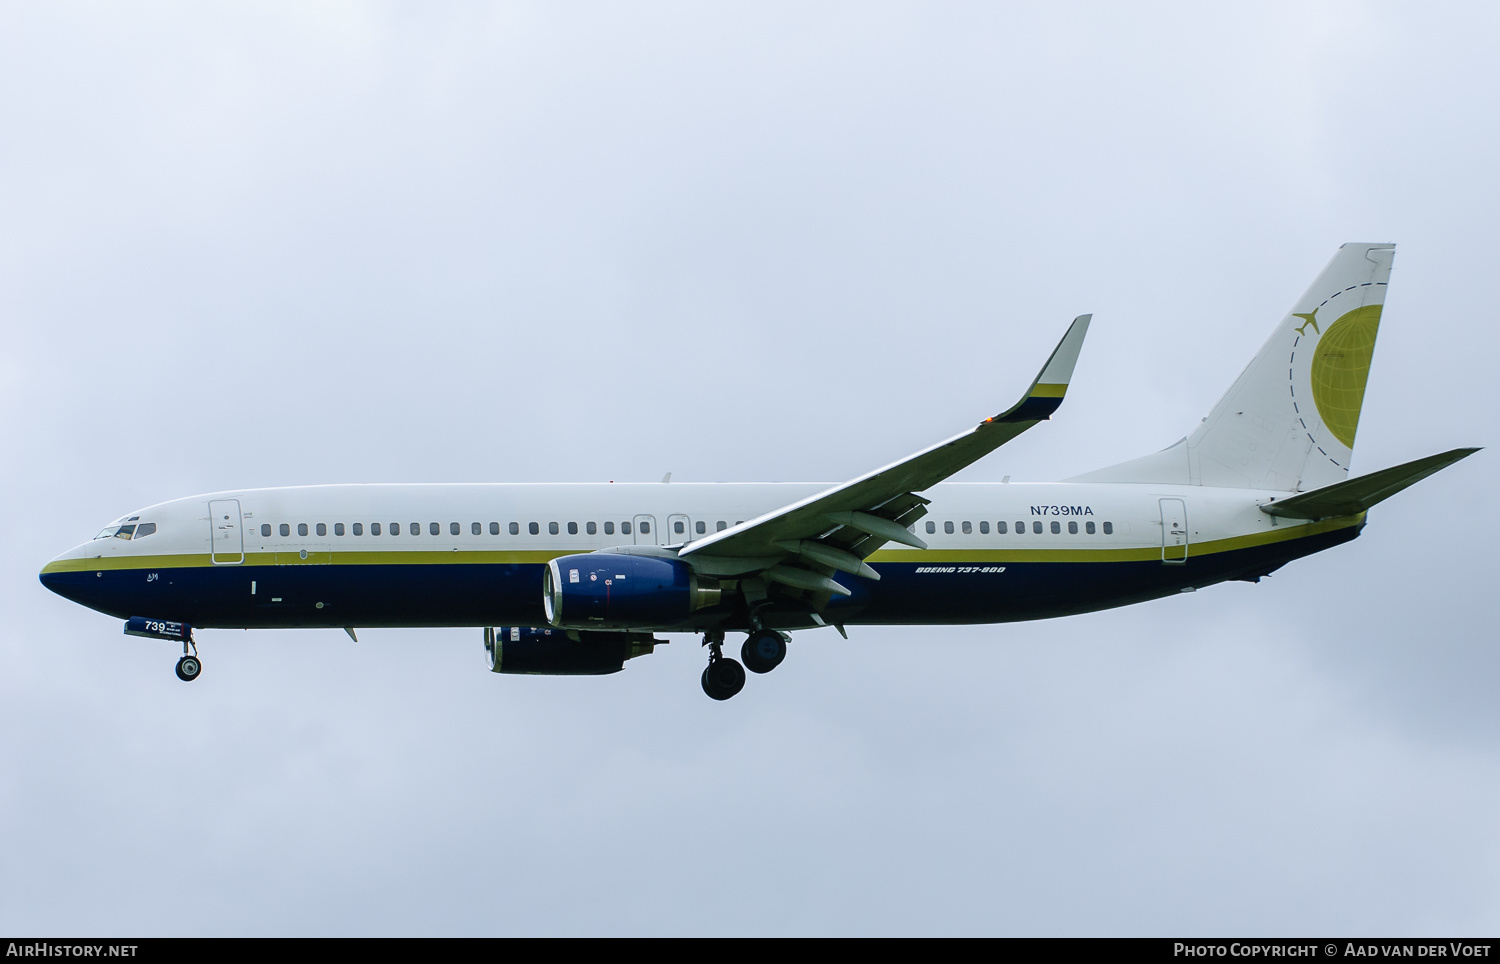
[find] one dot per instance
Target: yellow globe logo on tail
(1340, 367)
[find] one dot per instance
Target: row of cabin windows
(475, 528)
(1036, 527)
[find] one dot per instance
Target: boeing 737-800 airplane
(575, 579)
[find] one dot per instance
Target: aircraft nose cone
(66, 576)
(59, 581)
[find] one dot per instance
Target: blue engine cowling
(557, 652)
(607, 590)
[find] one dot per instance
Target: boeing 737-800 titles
(576, 578)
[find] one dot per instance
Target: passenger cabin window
(1000, 528)
(591, 528)
(948, 528)
(265, 530)
(1088, 527)
(359, 529)
(984, 528)
(931, 528)
(395, 528)
(625, 529)
(609, 528)
(322, 529)
(533, 528)
(1036, 527)
(302, 528)
(1021, 527)
(1109, 528)
(374, 528)
(645, 528)
(701, 527)
(720, 526)
(1056, 528)
(416, 528)
(338, 528)
(477, 529)
(968, 529)
(572, 528)
(515, 528)
(552, 528)
(286, 530)
(433, 529)
(1072, 528)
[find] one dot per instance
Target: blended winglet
(1357, 495)
(1046, 393)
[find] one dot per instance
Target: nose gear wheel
(188, 668)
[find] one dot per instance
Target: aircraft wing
(802, 544)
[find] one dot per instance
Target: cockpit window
(107, 532)
(145, 529)
(126, 532)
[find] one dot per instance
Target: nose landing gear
(188, 667)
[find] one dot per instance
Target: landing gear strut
(763, 651)
(188, 667)
(723, 677)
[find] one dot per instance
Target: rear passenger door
(1174, 532)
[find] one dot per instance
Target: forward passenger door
(228, 545)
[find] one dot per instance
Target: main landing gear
(188, 667)
(723, 677)
(762, 652)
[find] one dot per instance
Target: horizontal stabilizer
(1357, 495)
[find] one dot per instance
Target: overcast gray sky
(262, 244)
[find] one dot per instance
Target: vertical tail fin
(1289, 421)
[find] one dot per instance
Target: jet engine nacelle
(606, 590)
(559, 652)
